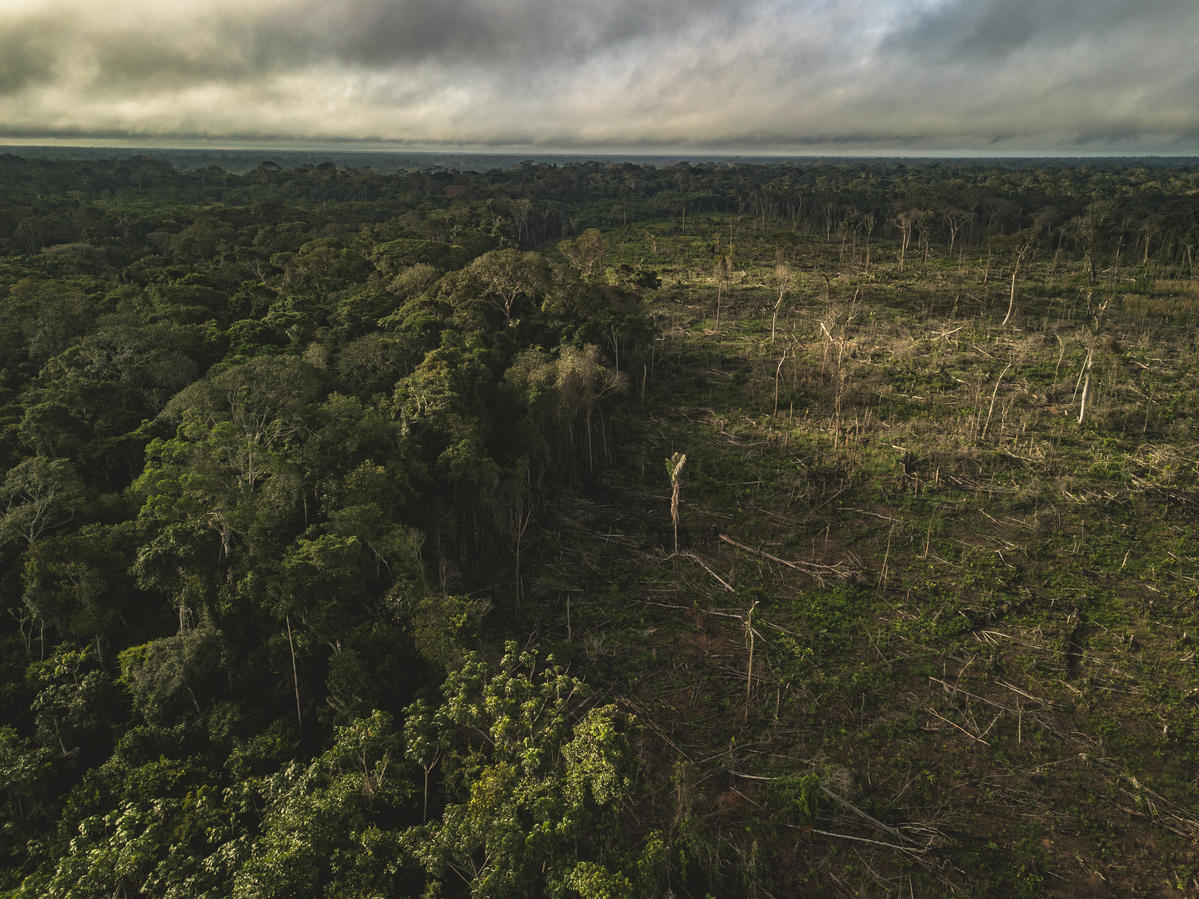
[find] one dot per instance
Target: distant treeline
(1099, 207)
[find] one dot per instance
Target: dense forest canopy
(326, 494)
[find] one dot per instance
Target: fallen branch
(978, 739)
(845, 836)
(669, 605)
(642, 716)
(704, 566)
(840, 570)
(842, 801)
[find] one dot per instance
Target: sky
(875, 77)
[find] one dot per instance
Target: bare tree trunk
(1011, 303)
(521, 516)
(750, 634)
(905, 222)
(777, 371)
(990, 409)
(674, 468)
(295, 677)
(1082, 405)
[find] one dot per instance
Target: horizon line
(363, 147)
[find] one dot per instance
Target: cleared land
(931, 622)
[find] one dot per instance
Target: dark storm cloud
(981, 31)
(378, 33)
(47, 47)
(26, 52)
(20, 66)
(1083, 73)
(227, 45)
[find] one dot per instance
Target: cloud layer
(740, 75)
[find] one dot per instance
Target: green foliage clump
(533, 782)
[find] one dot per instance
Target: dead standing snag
(674, 470)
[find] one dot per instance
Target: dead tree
(1011, 303)
(674, 470)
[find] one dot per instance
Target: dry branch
(839, 571)
(705, 567)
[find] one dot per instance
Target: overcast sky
(772, 76)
